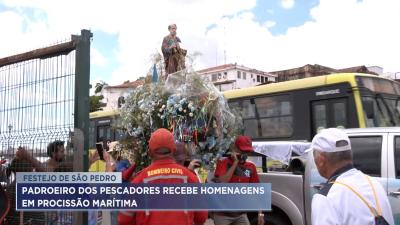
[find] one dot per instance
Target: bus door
(104, 133)
(329, 113)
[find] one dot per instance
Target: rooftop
(133, 84)
(216, 68)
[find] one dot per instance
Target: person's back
(349, 197)
(13, 216)
(343, 199)
(165, 171)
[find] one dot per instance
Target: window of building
(262, 79)
(214, 77)
(367, 152)
(258, 78)
(238, 74)
(244, 75)
(225, 75)
(251, 76)
(219, 76)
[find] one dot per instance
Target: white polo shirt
(338, 205)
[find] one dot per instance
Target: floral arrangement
(189, 106)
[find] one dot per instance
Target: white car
(376, 152)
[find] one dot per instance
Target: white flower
(184, 111)
(180, 109)
(191, 114)
(160, 110)
(163, 106)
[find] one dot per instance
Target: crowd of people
(348, 197)
(24, 161)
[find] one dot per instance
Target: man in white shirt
(349, 197)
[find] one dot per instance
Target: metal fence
(44, 97)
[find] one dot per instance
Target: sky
(268, 35)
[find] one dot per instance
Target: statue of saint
(174, 55)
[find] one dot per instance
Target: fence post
(81, 115)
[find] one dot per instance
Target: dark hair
(337, 157)
(19, 165)
(53, 147)
(170, 26)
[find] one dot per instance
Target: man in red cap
(235, 169)
(163, 169)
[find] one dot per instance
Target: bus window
(329, 113)
(380, 116)
(248, 109)
(275, 116)
(119, 134)
(251, 128)
(320, 120)
(104, 133)
(339, 114)
(277, 127)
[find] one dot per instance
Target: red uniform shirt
(244, 173)
(165, 171)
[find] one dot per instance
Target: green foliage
(99, 87)
(95, 103)
(95, 100)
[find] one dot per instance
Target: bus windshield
(381, 101)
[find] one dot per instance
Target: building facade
(232, 76)
(316, 70)
(114, 96)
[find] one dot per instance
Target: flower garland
(189, 106)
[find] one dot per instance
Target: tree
(95, 100)
(95, 103)
(99, 86)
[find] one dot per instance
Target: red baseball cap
(162, 138)
(243, 143)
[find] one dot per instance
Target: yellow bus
(296, 110)
(101, 127)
